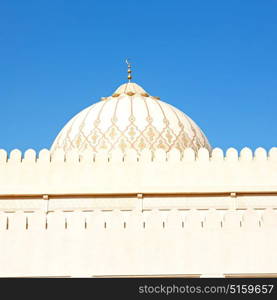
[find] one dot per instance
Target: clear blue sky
(215, 60)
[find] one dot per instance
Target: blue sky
(215, 60)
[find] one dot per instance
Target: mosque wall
(116, 243)
(85, 173)
(83, 215)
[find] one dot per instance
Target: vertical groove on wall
(26, 225)
(7, 223)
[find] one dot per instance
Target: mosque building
(131, 187)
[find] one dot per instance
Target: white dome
(130, 118)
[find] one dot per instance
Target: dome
(130, 118)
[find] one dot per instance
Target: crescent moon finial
(129, 70)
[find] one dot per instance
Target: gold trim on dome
(91, 135)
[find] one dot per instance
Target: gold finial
(129, 70)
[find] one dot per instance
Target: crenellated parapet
(151, 172)
(174, 155)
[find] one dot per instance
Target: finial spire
(129, 70)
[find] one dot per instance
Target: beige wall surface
(116, 243)
(122, 215)
(71, 173)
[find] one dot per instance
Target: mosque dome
(130, 118)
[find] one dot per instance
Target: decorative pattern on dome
(130, 118)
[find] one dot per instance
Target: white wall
(203, 215)
(127, 173)
(133, 243)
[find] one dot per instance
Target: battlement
(174, 155)
(125, 173)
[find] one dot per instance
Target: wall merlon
(30, 156)
(189, 155)
(231, 155)
(217, 154)
(246, 154)
(203, 155)
(3, 156)
(15, 156)
(273, 154)
(58, 156)
(44, 156)
(260, 154)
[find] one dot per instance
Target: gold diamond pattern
(131, 137)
